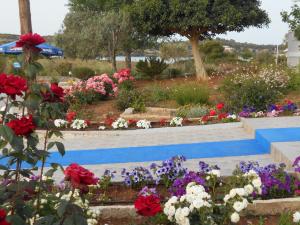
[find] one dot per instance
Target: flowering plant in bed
(30, 196)
(137, 177)
(169, 170)
(276, 182)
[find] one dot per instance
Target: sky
(48, 15)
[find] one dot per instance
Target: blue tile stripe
(259, 145)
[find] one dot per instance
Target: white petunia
(249, 189)
(296, 217)
(60, 123)
(238, 206)
(235, 217)
(257, 183)
(120, 123)
(176, 121)
(241, 192)
(101, 127)
(143, 124)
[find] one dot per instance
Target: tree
(293, 19)
(174, 51)
(197, 20)
(116, 28)
(212, 50)
(25, 16)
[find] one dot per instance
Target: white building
(293, 51)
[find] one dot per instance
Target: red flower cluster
(212, 112)
(148, 205)
(3, 218)
(23, 126)
(220, 106)
(109, 120)
(80, 177)
(70, 116)
(163, 122)
(12, 85)
(132, 122)
(222, 116)
(30, 41)
(56, 94)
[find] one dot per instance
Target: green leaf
(60, 147)
(62, 207)
(6, 133)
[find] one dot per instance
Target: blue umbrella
(47, 50)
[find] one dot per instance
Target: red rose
(132, 122)
(109, 121)
(297, 192)
(148, 205)
(220, 106)
(12, 85)
(23, 126)
(3, 218)
(30, 41)
(222, 116)
(70, 116)
(163, 122)
(56, 94)
(212, 112)
(79, 176)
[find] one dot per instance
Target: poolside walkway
(220, 144)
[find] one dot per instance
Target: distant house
(228, 49)
(293, 51)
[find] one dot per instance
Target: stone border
(257, 208)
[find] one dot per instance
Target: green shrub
(151, 67)
(172, 73)
(130, 99)
(294, 82)
(83, 73)
(63, 69)
(191, 94)
(127, 85)
(156, 94)
(255, 89)
(192, 111)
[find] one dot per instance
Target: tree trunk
(25, 16)
(113, 52)
(200, 70)
(128, 59)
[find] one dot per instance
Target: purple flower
(179, 185)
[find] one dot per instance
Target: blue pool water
(259, 145)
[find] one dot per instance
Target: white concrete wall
(293, 54)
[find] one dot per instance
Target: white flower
(79, 124)
(257, 183)
(232, 193)
(173, 200)
(119, 123)
(226, 198)
(235, 217)
(185, 211)
(60, 123)
(101, 127)
(233, 117)
(217, 173)
(143, 124)
(249, 189)
(240, 191)
(238, 206)
(176, 121)
(171, 211)
(296, 217)
(198, 203)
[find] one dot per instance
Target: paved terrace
(223, 144)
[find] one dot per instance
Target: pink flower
(123, 75)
